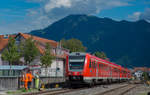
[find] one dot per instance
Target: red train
(84, 68)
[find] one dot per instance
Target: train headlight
(74, 77)
(70, 73)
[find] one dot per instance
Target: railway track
(122, 90)
(54, 92)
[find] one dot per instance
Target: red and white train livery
(86, 68)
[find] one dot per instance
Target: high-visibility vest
(30, 76)
(25, 78)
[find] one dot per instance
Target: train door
(107, 71)
(92, 71)
(111, 72)
(99, 72)
(102, 69)
(90, 68)
(94, 68)
(96, 63)
(119, 73)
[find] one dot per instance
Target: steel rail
(107, 92)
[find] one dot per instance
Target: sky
(27, 15)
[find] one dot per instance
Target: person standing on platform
(30, 77)
(25, 81)
(37, 80)
(22, 79)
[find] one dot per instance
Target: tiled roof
(42, 40)
(41, 50)
(4, 41)
(144, 69)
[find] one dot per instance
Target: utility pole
(56, 61)
(58, 48)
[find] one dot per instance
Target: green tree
(145, 76)
(74, 45)
(100, 55)
(29, 50)
(11, 53)
(46, 58)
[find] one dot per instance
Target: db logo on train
(75, 73)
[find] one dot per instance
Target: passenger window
(94, 64)
(90, 65)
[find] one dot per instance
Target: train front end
(75, 67)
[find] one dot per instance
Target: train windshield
(76, 62)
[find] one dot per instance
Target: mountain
(126, 43)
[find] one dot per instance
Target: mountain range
(124, 42)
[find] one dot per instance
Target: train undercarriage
(80, 80)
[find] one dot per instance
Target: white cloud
(52, 10)
(135, 16)
(56, 9)
(57, 4)
(146, 15)
(140, 15)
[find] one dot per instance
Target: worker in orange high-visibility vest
(25, 81)
(22, 79)
(30, 77)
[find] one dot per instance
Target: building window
(1, 73)
(5, 72)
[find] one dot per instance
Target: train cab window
(76, 62)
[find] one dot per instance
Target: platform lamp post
(57, 53)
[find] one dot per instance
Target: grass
(143, 93)
(21, 91)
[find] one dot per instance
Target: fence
(8, 83)
(13, 83)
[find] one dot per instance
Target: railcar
(84, 68)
